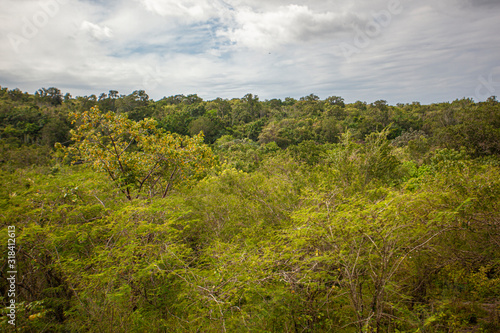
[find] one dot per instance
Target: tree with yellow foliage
(139, 157)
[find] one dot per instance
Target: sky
(400, 51)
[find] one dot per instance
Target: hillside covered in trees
(243, 215)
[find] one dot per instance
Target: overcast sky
(397, 50)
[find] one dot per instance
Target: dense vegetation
(302, 215)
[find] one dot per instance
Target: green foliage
(309, 152)
(206, 126)
(245, 154)
(320, 216)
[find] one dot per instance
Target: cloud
(96, 31)
(286, 24)
(184, 10)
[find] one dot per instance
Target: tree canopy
(249, 215)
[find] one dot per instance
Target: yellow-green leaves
(140, 158)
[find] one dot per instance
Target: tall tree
(137, 156)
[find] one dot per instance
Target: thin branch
(126, 147)
(169, 183)
(102, 203)
(148, 175)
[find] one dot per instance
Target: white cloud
(184, 10)
(96, 31)
(288, 24)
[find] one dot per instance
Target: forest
(248, 215)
